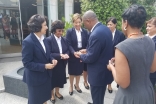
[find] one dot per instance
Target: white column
(52, 11)
(40, 7)
(69, 5)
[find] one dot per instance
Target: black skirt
(39, 94)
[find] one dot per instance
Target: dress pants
(98, 93)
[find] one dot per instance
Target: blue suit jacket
(153, 75)
(34, 59)
(99, 52)
(54, 49)
(72, 39)
(119, 37)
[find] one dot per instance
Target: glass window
(61, 9)
(10, 31)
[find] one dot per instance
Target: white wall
(69, 5)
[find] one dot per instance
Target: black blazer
(72, 39)
(119, 37)
(54, 49)
(153, 75)
(34, 59)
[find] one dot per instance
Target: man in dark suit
(98, 52)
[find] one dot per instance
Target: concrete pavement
(8, 64)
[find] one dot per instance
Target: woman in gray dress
(134, 60)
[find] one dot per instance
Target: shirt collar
(94, 26)
(78, 31)
(114, 31)
(57, 37)
(40, 39)
(152, 36)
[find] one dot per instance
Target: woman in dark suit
(37, 61)
(59, 50)
(77, 38)
(117, 37)
(151, 32)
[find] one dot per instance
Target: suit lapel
(38, 44)
(75, 36)
(55, 43)
(115, 37)
(47, 49)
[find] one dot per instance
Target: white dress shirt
(41, 41)
(113, 34)
(152, 36)
(58, 40)
(79, 39)
(94, 26)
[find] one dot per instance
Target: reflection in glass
(61, 9)
(10, 32)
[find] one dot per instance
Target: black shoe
(89, 103)
(53, 101)
(78, 90)
(110, 91)
(87, 87)
(61, 97)
(70, 93)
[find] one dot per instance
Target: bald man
(99, 51)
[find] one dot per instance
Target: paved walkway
(7, 65)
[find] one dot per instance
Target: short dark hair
(112, 19)
(58, 24)
(35, 23)
(135, 16)
(152, 21)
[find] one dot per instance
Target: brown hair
(76, 16)
(152, 21)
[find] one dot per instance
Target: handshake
(80, 52)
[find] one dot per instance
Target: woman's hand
(76, 54)
(111, 64)
(64, 56)
(54, 62)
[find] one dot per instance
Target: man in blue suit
(98, 52)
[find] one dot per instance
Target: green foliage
(105, 9)
(114, 8)
(67, 25)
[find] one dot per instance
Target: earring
(124, 28)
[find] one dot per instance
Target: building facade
(14, 15)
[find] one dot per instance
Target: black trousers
(98, 93)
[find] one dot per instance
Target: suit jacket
(153, 75)
(99, 52)
(54, 49)
(34, 59)
(119, 37)
(72, 39)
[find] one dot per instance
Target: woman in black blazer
(60, 51)
(117, 37)
(37, 61)
(77, 39)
